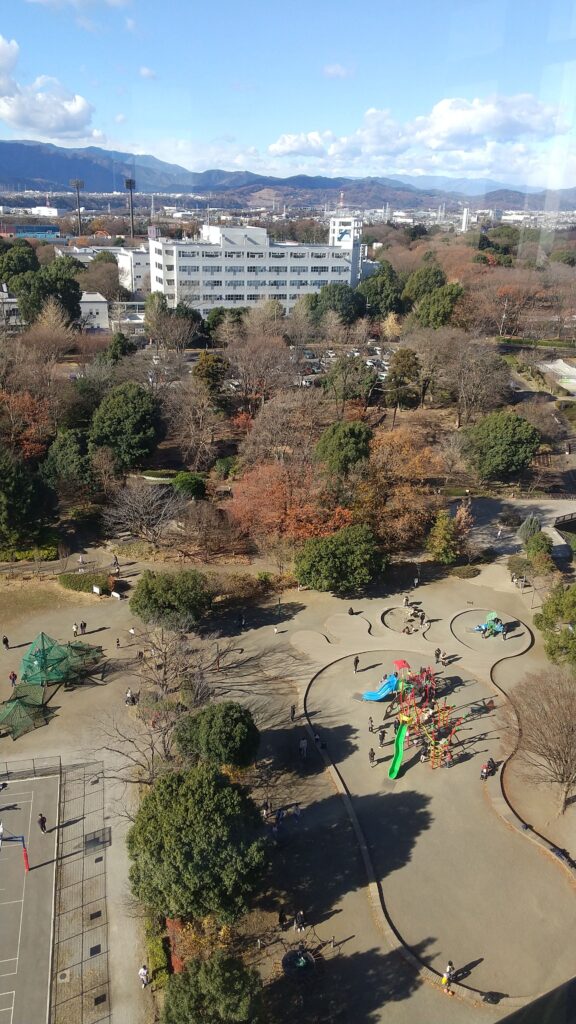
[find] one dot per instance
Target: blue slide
(388, 687)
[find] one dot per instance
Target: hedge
(84, 581)
(46, 553)
(159, 474)
(465, 572)
(158, 961)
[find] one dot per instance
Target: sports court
(27, 899)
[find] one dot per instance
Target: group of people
(82, 628)
(440, 657)
(416, 616)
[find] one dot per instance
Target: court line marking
(52, 929)
(6, 903)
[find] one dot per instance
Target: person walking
(303, 747)
(282, 919)
(297, 812)
(117, 641)
(292, 712)
(396, 726)
(381, 736)
(5, 643)
(370, 724)
(444, 659)
(299, 921)
(406, 601)
(42, 823)
(372, 757)
(275, 630)
(13, 677)
(143, 975)
(447, 978)
(132, 631)
(416, 581)
(75, 629)
(437, 654)
(356, 663)
(83, 628)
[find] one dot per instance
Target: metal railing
(32, 768)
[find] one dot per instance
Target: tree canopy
(25, 502)
(223, 734)
(54, 281)
(343, 444)
(177, 600)
(195, 846)
(128, 422)
(219, 990)
(423, 281)
(382, 291)
(338, 298)
(343, 563)
(501, 445)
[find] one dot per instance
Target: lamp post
(130, 184)
(77, 183)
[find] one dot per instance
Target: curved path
(456, 881)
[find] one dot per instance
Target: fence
(33, 768)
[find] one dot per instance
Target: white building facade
(235, 267)
(134, 269)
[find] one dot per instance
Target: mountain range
(45, 167)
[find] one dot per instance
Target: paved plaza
(456, 880)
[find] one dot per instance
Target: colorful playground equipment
(388, 686)
(423, 720)
(492, 627)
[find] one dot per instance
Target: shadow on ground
(342, 988)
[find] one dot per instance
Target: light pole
(130, 184)
(77, 183)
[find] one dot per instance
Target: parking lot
(27, 899)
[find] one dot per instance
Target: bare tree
(193, 419)
(145, 510)
(542, 721)
(139, 748)
(286, 428)
(174, 663)
(262, 364)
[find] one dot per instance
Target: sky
(458, 88)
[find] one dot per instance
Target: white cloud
(120, 118)
(336, 71)
(497, 135)
(146, 72)
(44, 107)
(130, 24)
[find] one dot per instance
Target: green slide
(398, 751)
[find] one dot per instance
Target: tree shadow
(342, 988)
(284, 750)
(236, 621)
(316, 860)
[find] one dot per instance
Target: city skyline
(462, 89)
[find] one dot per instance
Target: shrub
(190, 485)
(538, 543)
(175, 600)
(158, 959)
(465, 572)
(84, 581)
(518, 565)
(43, 553)
(240, 588)
(225, 467)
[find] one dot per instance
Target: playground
(26, 898)
(453, 876)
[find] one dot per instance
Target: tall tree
(223, 734)
(195, 847)
(344, 444)
(219, 990)
(382, 291)
(128, 422)
(343, 563)
(501, 445)
(341, 299)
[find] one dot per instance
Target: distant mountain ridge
(42, 166)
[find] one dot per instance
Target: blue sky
(451, 87)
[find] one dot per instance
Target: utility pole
(130, 184)
(77, 183)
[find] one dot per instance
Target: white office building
(235, 267)
(94, 311)
(134, 269)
